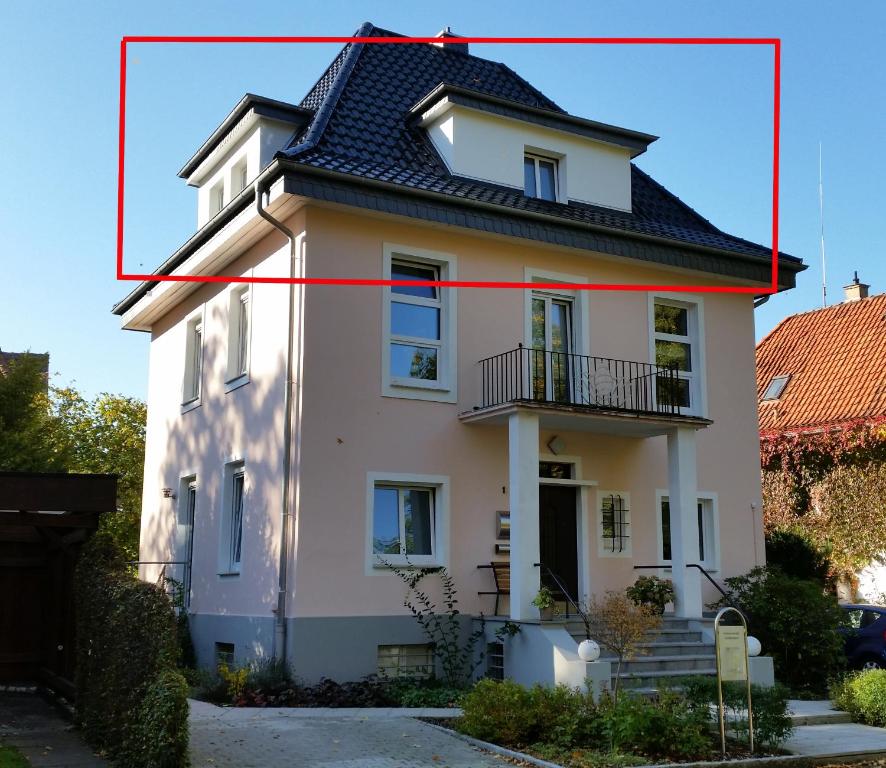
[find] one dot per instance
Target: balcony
(579, 392)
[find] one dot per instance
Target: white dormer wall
(490, 148)
(256, 147)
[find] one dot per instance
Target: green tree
(105, 435)
(25, 422)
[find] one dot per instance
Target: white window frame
(240, 301)
(580, 305)
(602, 550)
(695, 338)
(711, 563)
(227, 566)
(440, 543)
(192, 378)
(445, 388)
(535, 155)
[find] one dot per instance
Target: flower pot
(546, 614)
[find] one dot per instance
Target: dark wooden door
(558, 536)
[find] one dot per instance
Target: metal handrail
(569, 599)
(566, 378)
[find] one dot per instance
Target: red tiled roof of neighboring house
(836, 360)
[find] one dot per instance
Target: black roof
(362, 147)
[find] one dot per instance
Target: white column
(523, 484)
(683, 498)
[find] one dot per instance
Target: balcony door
(549, 361)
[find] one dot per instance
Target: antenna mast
(824, 283)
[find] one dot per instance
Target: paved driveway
(222, 737)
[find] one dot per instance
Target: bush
(500, 712)
(796, 555)
(796, 623)
(160, 739)
(126, 641)
(863, 695)
(772, 723)
(666, 726)
(651, 591)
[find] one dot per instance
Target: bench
(501, 573)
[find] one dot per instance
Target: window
(187, 510)
(614, 520)
(676, 347)
(407, 518)
(231, 548)
(706, 533)
(224, 654)
(238, 178)
(405, 661)
(216, 199)
(551, 328)
(555, 470)
(495, 661)
(403, 522)
(776, 387)
(193, 361)
(238, 334)
(540, 177)
(419, 327)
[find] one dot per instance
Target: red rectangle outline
(773, 41)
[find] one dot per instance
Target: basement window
(776, 387)
(409, 661)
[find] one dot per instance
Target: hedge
(131, 700)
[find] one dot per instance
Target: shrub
(796, 555)
(126, 640)
(863, 695)
(499, 711)
(772, 723)
(666, 726)
(564, 717)
(409, 693)
(796, 623)
(160, 739)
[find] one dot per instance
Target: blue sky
(710, 105)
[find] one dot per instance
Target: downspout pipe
(280, 611)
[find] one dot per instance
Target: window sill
(412, 565)
(236, 383)
(411, 391)
(228, 574)
(190, 405)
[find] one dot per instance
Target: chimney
(449, 34)
(856, 290)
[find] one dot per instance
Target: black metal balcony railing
(565, 378)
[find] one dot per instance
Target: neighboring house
(355, 422)
(825, 371)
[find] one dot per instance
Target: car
(865, 636)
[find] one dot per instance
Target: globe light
(754, 646)
(588, 650)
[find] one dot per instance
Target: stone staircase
(672, 652)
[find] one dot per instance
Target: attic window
(776, 387)
(540, 177)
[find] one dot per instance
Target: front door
(558, 536)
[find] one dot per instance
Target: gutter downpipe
(280, 610)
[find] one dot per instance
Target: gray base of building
(342, 648)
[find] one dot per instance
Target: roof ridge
(331, 97)
(838, 305)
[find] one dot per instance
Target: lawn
(10, 757)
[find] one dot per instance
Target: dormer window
(216, 199)
(540, 177)
(238, 178)
(776, 387)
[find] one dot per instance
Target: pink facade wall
(348, 429)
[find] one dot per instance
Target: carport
(44, 520)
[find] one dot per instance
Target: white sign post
(732, 666)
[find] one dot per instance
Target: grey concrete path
(274, 738)
(837, 740)
(816, 713)
(44, 737)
